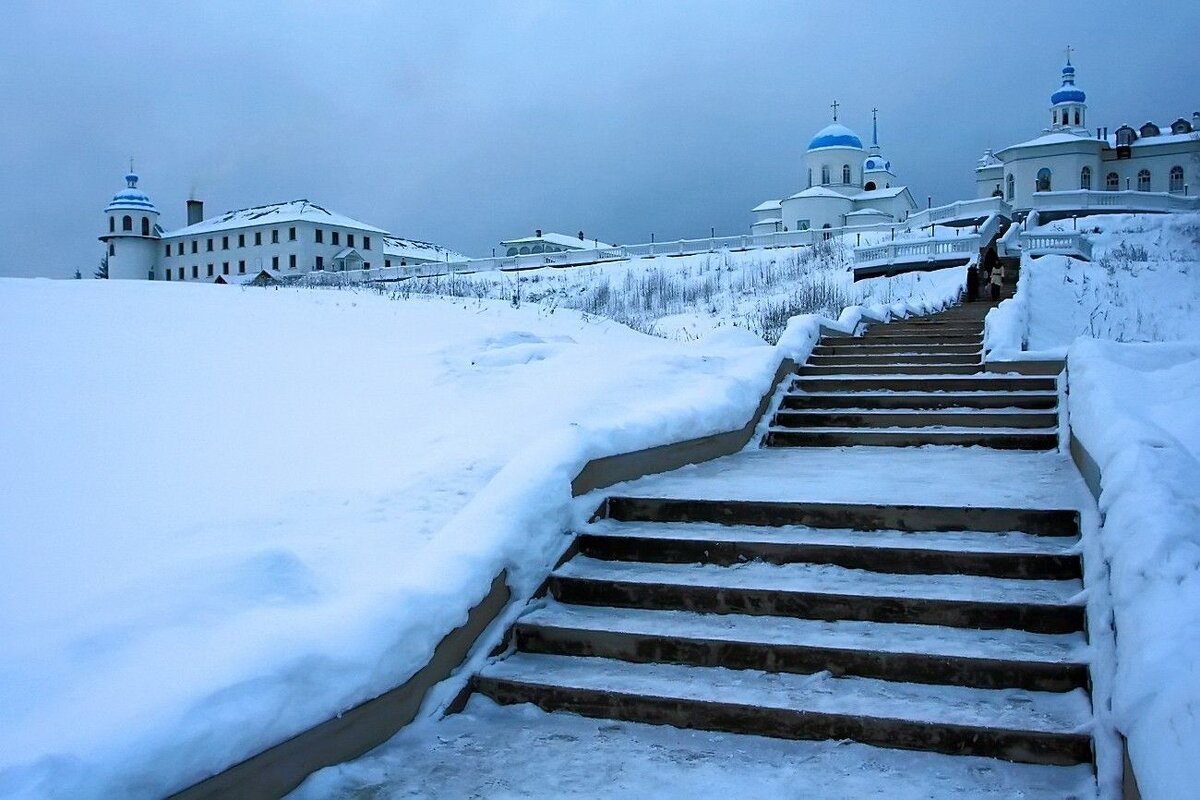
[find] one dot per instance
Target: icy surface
(521, 752)
(827, 579)
(1014, 709)
(889, 637)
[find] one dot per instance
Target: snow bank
(229, 514)
(1134, 408)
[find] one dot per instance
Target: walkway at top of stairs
(938, 476)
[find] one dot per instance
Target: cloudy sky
(465, 123)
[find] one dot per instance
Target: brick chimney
(195, 212)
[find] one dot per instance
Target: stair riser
(867, 517)
(866, 437)
(813, 605)
(646, 648)
(917, 339)
(1021, 746)
(867, 349)
(883, 359)
(916, 401)
(895, 560)
(919, 384)
(890, 368)
(981, 419)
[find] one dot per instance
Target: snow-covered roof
(562, 239)
(1060, 137)
(274, 214)
(131, 198)
(770, 205)
(817, 191)
(835, 135)
(1162, 138)
(988, 160)
(890, 191)
(346, 252)
(416, 250)
(868, 212)
(768, 221)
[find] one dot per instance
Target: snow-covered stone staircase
(914, 383)
(942, 629)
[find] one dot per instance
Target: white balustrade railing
(961, 210)
(1125, 200)
(919, 249)
(1073, 244)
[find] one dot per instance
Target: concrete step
(885, 337)
(959, 417)
(998, 438)
(884, 359)
(986, 382)
(819, 591)
(891, 368)
(1013, 724)
(920, 400)
(852, 516)
(853, 347)
(930, 654)
(998, 555)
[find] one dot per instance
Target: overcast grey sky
(465, 123)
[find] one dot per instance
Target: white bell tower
(132, 237)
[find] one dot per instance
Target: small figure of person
(996, 281)
(972, 283)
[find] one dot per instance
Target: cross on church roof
(834, 106)
(1068, 54)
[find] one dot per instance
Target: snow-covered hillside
(228, 514)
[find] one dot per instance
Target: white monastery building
(261, 244)
(847, 185)
(1070, 157)
(550, 242)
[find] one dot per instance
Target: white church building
(1068, 156)
(264, 244)
(846, 185)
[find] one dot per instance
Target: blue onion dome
(835, 135)
(1069, 92)
(131, 197)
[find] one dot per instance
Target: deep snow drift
(228, 514)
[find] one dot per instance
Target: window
(1085, 178)
(112, 224)
(241, 240)
(367, 241)
(1176, 184)
(168, 250)
(320, 236)
(209, 245)
(179, 249)
(145, 226)
(366, 265)
(1125, 136)
(150, 275)
(291, 234)
(195, 245)
(825, 175)
(224, 242)
(181, 273)
(1112, 182)
(810, 177)
(349, 240)
(195, 271)
(387, 263)
(274, 236)
(1077, 117)
(225, 268)
(870, 187)
(241, 268)
(112, 249)
(168, 274)
(320, 261)
(275, 263)
(1143, 180)
(127, 223)
(803, 224)
(1043, 180)
(1010, 186)
(292, 261)
(334, 237)
(210, 270)
(845, 173)
(257, 238)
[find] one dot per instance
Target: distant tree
(78, 275)
(102, 272)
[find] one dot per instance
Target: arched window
(1010, 186)
(512, 251)
(845, 173)
(1176, 184)
(1143, 180)
(112, 224)
(810, 177)
(127, 223)
(1077, 117)
(870, 187)
(826, 233)
(825, 175)
(1085, 178)
(1112, 182)
(145, 226)
(112, 249)
(1043, 180)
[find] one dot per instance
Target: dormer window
(1181, 125)
(1149, 129)
(1126, 136)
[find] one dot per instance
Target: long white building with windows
(265, 243)
(1069, 156)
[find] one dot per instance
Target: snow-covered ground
(1143, 285)
(1136, 408)
(228, 514)
(687, 297)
